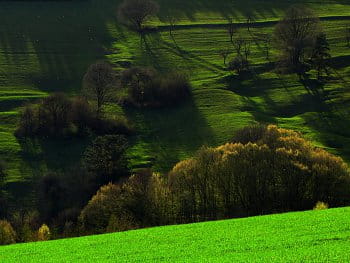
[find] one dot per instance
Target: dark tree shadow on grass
(172, 133)
(51, 42)
(20, 195)
(165, 56)
(52, 154)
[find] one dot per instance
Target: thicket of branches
(264, 170)
(60, 116)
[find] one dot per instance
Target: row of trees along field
(263, 169)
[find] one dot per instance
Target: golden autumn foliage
(274, 170)
(7, 234)
(117, 207)
(321, 206)
(44, 233)
(270, 170)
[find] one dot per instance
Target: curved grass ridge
(312, 236)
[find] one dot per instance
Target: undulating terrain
(312, 236)
(46, 47)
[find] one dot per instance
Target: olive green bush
(60, 116)
(275, 170)
(148, 88)
(7, 234)
(265, 169)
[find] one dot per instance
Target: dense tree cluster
(148, 88)
(263, 170)
(295, 35)
(298, 38)
(273, 170)
(59, 116)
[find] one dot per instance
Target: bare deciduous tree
(231, 29)
(238, 43)
(98, 83)
(224, 54)
(28, 121)
(246, 49)
(137, 12)
(172, 20)
(250, 21)
(53, 113)
(295, 35)
(265, 40)
(321, 55)
(239, 64)
(347, 35)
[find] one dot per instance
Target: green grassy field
(51, 45)
(312, 236)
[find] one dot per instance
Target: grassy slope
(223, 103)
(50, 47)
(313, 236)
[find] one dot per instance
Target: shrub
(118, 207)
(25, 225)
(59, 116)
(148, 88)
(174, 88)
(122, 222)
(139, 82)
(320, 206)
(98, 83)
(28, 122)
(50, 118)
(82, 115)
(105, 159)
(7, 234)
(53, 114)
(252, 133)
(44, 233)
(239, 64)
(117, 125)
(95, 217)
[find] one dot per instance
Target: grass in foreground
(312, 236)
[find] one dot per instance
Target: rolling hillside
(46, 47)
(312, 236)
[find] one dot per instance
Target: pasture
(46, 47)
(311, 236)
